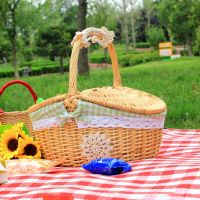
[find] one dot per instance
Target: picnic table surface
(173, 175)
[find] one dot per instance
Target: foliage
(9, 22)
(197, 42)
(175, 81)
(29, 19)
(53, 41)
(124, 60)
(142, 45)
(127, 59)
(70, 20)
(37, 68)
(102, 13)
(99, 59)
(5, 47)
(180, 17)
(155, 35)
(143, 58)
(135, 58)
(22, 38)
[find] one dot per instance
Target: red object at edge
(18, 82)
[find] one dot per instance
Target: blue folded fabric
(107, 166)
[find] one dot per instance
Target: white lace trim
(123, 122)
(49, 123)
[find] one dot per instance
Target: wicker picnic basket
(111, 121)
(17, 116)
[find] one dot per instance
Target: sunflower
(22, 134)
(23, 131)
(19, 125)
(29, 148)
(9, 144)
(18, 129)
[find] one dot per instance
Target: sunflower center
(30, 150)
(12, 144)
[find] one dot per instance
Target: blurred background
(35, 35)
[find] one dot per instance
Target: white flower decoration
(107, 36)
(96, 145)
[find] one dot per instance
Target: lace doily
(96, 145)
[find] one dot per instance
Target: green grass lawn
(177, 82)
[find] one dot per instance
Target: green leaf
(8, 126)
(4, 127)
(25, 130)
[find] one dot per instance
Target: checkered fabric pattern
(3, 175)
(56, 114)
(173, 175)
(91, 109)
(83, 109)
(49, 111)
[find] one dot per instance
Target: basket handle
(22, 83)
(83, 39)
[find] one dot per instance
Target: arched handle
(84, 39)
(22, 83)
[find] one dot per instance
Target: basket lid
(124, 99)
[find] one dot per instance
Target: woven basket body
(75, 145)
(128, 144)
(15, 117)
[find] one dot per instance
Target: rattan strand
(126, 99)
(15, 117)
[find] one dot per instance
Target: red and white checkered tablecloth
(173, 175)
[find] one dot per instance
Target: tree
(134, 14)
(148, 8)
(70, 19)
(178, 17)
(125, 23)
(128, 14)
(54, 42)
(197, 41)
(8, 10)
(155, 35)
(141, 26)
(29, 19)
(5, 47)
(97, 18)
(83, 68)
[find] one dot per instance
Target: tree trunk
(148, 21)
(13, 35)
(83, 68)
(61, 65)
(184, 46)
(125, 25)
(14, 52)
(189, 48)
(133, 31)
(126, 37)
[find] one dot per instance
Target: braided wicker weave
(127, 143)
